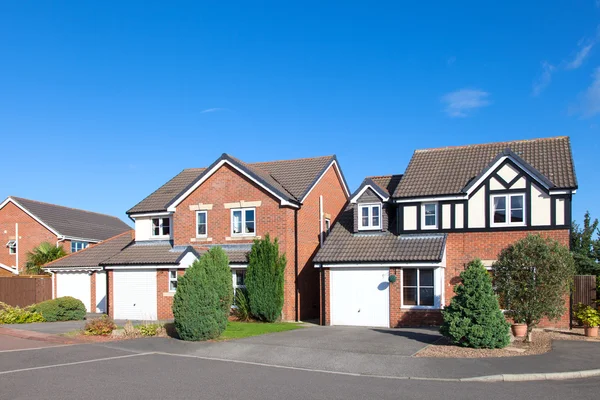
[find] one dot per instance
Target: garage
(135, 294)
(359, 296)
(74, 284)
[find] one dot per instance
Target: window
(508, 209)
(369, 216)
(76, 246)
(172, 280)
(418, 287)
(201, 223)
(12, 246)
(239, 279)
(430, 215)
(243, 222)
(327, 226)
(161, 226)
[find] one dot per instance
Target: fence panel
(25, 290)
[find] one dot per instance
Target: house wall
(164, 298)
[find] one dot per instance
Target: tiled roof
(344, 246)
(73, 222)
(448, 170)
(290, 178)
(388, 183)
(94, 254)
(149, 253)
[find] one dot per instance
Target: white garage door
(359, 297)
(134, 293)
(74, 284)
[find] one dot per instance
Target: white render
(508, 172)
(360, 297)
(459, 215)
(495, 184)
(134, 294)
(560, 211)
(477, 209)
(143, 229)
(75, 284)
(446, 215)
(521, 183)
(410, 218)
(101, 299)
(540, 207)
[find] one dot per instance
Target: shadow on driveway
(422, 335)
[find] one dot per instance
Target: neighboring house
(452, 205)
(24, 224)
(228, 204)
(80, 274)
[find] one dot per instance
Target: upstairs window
(161, 226)
(12, 246)
(508, 209)
(243, 222)
(429, 215)
(369, 217)
(201, 224)
(76, 246)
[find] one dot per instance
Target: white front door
(360, 297)
(75, 284)
(134, 293)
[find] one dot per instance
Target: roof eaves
(368, 182)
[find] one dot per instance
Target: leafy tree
(474, 318)
(265, 279)
(586, 249)
(533, 277)
(42, 255)
(203, 299)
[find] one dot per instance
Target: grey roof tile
(448, 170)
(149, 253)
(343, 246)
(73, 222)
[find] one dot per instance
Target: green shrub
(149, 329)
(61, 309)
(589, 316)
(264, 279)
(474, 318)
(17, 315)
(102, 326)
(242, 305)
(201, 306)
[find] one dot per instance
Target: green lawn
(238, 330)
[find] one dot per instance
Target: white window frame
(418, 287)
(171, 280)
(243, 220)
(508, 210)
(205, 223)
(161, 227)
(327, 226)
(12, 247)
(79, 245)
(424, 217)
(370, 226)
(234, 272)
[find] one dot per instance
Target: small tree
(264, 279)
(203, 299)
(42, 255)
(585, 247)
(533, 277)
(473, 318)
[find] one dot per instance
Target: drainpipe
(17, 247)
(321, 219)
(296, 294)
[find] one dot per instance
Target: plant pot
(519, 330)
(591, 331)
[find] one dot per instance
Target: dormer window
(369, 216)
(429, 215)
(161, 226)
(508, 209)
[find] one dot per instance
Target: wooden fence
(584, 291)
(25, 290)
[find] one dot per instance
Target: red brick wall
(164, 303)
(110, 296)
(93, 292)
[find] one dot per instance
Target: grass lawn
(238, 330)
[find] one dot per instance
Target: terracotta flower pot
(519, 330)
(591, 331)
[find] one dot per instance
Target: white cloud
(544, 79)
(589, 101)
(212, 110)
(580, 56)
(462, 102)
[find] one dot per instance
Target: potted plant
(590, 318)
(518, 327)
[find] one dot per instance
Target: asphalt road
(98, 372)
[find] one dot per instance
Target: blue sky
(102, 102)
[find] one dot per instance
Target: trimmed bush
(202, 304)
(242, 305)
(264, 279)
(17, 315)
(102, 326)
(61, 309)
(473, 318)
(149, 329)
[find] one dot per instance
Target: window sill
(420, 308)
(507, 225)
(201, 239)
(161, 237)
(242, 237)
(169, 294)
(361, 228)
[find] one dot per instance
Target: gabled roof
(93, 255)
(387, 183)
(150, 253)
(289, 180)
(71, 222)
(448, 170)
(344, 246)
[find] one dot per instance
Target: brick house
(24, 224)
(228, 204)
(397, 250)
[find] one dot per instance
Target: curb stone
(554, 376)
